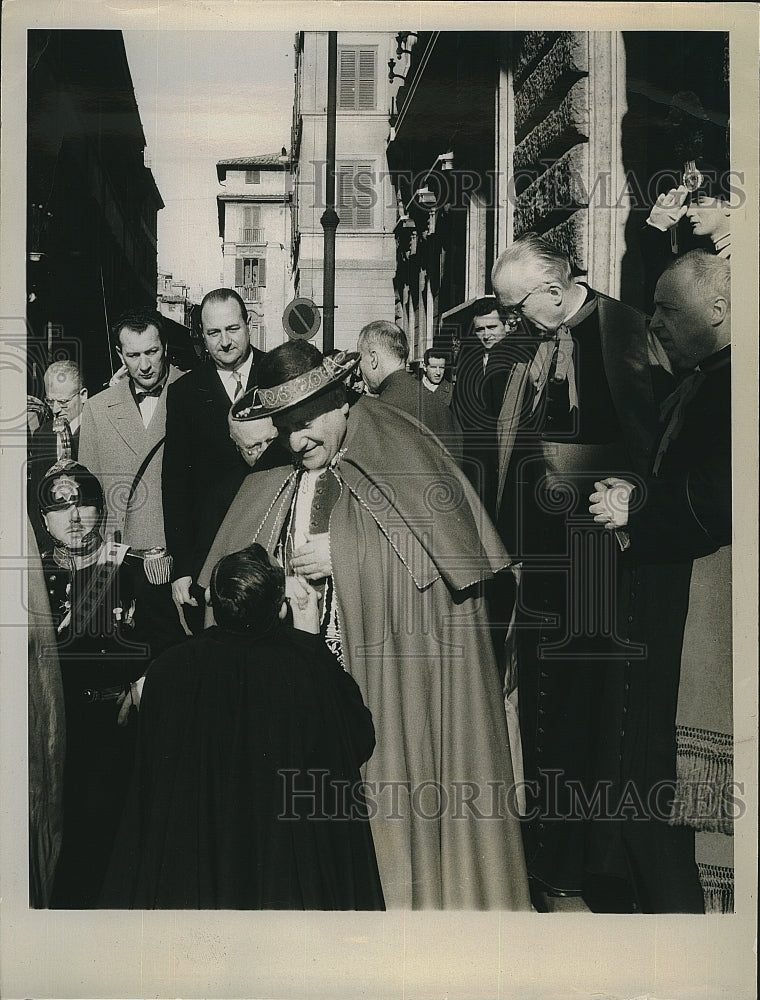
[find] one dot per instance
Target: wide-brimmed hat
(258, 403)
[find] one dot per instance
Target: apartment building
(254, 226)
(365, 252)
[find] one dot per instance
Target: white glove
(668, 209)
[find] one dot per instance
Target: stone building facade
(569, 134)
(92, 203)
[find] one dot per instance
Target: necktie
(675, 405)
(63, 442)
(557, 351)
(238, 384)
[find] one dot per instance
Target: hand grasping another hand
(609, 504)
(312, 559)
(303, 601)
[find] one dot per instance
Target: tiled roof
(260, 160)
(265, 160)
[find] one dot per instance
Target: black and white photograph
(371, 466)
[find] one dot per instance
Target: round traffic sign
(301, 319)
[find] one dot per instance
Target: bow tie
(142, 394)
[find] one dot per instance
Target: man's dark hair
(432, 353)
(247, 591)
(222, 295)
(485, 305)
(138, 320)
(294, 358)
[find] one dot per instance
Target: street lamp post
(330, 218)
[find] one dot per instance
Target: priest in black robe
(247, 792)
(580, 397)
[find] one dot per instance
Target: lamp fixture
(424, 197)
(401, 39)
(446, 161)
(392, 75)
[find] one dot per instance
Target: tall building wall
(92, 203)
(364, 245)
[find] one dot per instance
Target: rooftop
(261, 161)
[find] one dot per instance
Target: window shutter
(366, 87)
(346, 193)
(363, 195)
(251, 216)
(252, 177)
(238, 272)
(262, 272)
(347, 79)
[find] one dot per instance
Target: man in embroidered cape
(390, 530)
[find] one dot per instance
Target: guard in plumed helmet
(103, 661)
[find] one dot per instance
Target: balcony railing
(252, 236)
(249, 293)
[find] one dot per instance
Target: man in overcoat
(202, 468)
(122, 443)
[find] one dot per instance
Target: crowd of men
(547, 536)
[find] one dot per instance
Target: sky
(204, 96)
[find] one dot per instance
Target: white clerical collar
(432, 386)
(580, 305)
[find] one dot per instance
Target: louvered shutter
(262, 272)
(366, 85)
(363, 189)
(238, 272)
(251, 216)
(347, 79)
(346, 193)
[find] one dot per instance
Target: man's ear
(83, 393)
(719, 310)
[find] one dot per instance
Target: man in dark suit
(482, 369)
(202, 468)
(433, 379)
(65, 395)
(384, 351)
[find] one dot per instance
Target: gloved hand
(668, 209)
